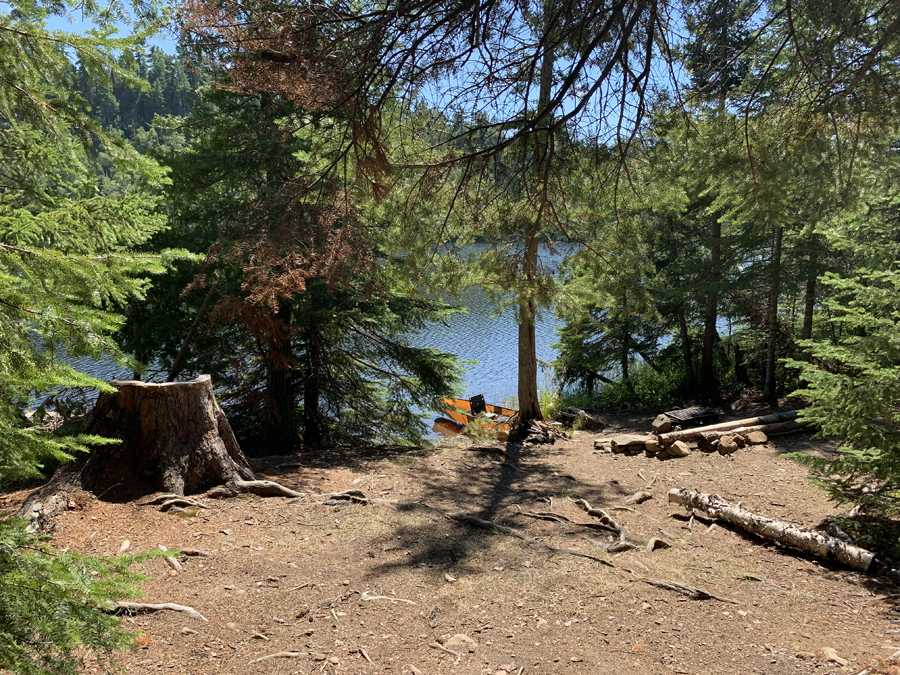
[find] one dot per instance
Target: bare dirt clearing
(377, 588)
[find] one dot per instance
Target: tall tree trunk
(279, 383)
(312, 421)
(770, 388)
(529, 404)
(136, 328)
(707, 370)
(686, 348)
(809, 303)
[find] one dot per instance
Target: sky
(165, 41)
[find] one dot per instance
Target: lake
(479, 334)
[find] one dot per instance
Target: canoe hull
(460, 411)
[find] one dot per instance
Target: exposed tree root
(692, 593)
(277, 655)
(359, 496)
(138, 607)
(263, 488)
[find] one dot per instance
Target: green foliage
(75, 204)
(50, 605)
(646, 390)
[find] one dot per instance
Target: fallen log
(793, 536)
(768, 429)
(743, 425)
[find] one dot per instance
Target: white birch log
(744, 424)
(794, 536)
(768, 429)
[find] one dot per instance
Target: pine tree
(67, 267)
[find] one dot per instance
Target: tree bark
(173, 437)
(281, 429)
(770, 387)
(707, 369)
(529, 403)
(809, 299)
(312, 424)
(175, 370)
(686, 348)
(810, 541)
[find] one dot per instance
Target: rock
(620, 547)
(602, 444)
(757, 438)
(459, 642)
(727, 445)
(657, 542)
(638, 498)
(707, 444)
(831, 655)
(679, 449)
(740, 440)
(449, 578)
(653, 446)
(661, 424)
(804, 656)
(624, 442)
(663, 454)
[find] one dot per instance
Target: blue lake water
(481, 334)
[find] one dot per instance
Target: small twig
(366, 656)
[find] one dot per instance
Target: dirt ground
(378, 588)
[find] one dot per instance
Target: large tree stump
(174, 438)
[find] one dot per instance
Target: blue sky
(164, 41)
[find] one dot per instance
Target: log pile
(725, 438)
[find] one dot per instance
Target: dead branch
(366, 596)
(277, 655)
(793, 536)
(138, 607)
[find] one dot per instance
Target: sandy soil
(353, 588)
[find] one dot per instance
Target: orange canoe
(463, 411)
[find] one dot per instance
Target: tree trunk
(312, 424)
(173, 437)
(281, 430)
(686, 349)
(740, 366)
(787, 534)
(770, 386)
(707, 370)
(177, 364)
(809, 299)
(529, 404)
